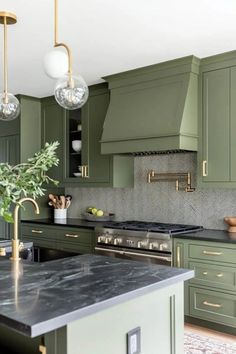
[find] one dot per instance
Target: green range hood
(153, 109)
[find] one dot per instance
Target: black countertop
(204, 235)
(49, 295)
(210, 235)
(71, 222)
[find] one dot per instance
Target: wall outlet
(134, 341)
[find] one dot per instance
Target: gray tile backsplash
(160, 201)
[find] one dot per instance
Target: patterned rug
(198, 344)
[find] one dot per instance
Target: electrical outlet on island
(134, 341)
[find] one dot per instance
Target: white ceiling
(110, 36)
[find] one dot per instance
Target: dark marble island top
(50, 295)
(210, 235)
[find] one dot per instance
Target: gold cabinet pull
(205, 273)
(211, 304)
(82, 171)
(71, 235)
(178, 256)
(204, 168)
(86, 171)
(3, 252)
(42, 349)
(210, 253)
(220, 275)
(37, 231)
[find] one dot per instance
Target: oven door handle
(168, 259)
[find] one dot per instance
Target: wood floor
(226, 338)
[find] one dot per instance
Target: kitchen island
(87, 304)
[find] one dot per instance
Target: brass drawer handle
(211, 304)
(37, 231)
(71, 235)
(3, 252)
(210, 253)
(204, 168)
(205, 273)
(220, 275)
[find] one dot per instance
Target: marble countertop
(210, 235)
(47, 296)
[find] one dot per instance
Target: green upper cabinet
(52, 130)
(217, 147)
(79, 133)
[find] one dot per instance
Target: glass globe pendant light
(71, 92)
(9, 104)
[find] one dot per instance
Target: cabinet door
(9, 152)
(99, 165)
(216, 125)
(52, 130)
(233, 124)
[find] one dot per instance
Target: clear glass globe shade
(71, 93)
(10, 108)
(55, 63)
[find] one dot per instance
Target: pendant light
(71, 92)
(9, 104)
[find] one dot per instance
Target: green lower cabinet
(213, 306)
(211, 295)
(78, 240)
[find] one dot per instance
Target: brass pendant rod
(5, 64)
(57, 44)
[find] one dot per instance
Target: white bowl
(77, 174)
(76, 145)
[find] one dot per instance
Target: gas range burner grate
(153, 227)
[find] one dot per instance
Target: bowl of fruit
(95, 214)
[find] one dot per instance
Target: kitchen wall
(160, 201)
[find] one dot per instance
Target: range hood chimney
(153, 109)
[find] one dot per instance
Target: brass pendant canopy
(11, 19)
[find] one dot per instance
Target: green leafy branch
(26, 179)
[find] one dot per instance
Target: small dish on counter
(91, 217)
(77, 174)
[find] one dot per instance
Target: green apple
(94, 211)
(100, 212)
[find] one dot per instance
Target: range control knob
(164, 246)
(142, 244)
(100, 239)
(108, 239)
(117, 241)
(153, 245)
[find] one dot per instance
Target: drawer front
(213, 306)
(72, 247)
(74, 236)
(40, 242)
(36, 231)
(212, 253)
(214, 275)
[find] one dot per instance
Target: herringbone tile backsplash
(159, 201)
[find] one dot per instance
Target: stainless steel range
(139, 240)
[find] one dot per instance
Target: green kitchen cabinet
(64, 238)
(52, 123)
(210, 297)
(85, 125)
(9, 152)
(217, 146)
